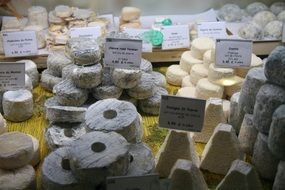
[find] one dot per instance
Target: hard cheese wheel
(16, 150)
(48, 81)
(198, 72)
(175, 74)
(200, 45)
(205, 89)
(187, 61)
(126, 78)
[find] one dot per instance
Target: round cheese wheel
(256, 7)
(67, 71)
(215, 74)
(230, 13)
(175, 74)
(146, 66)
(186, 82)
(130, 13)
(28, 83)
(82, 13)
(277, 7)
(205, 90)
(159, 79)
(187, 61)
(273, 29)
(48, 81)
(251, 31)
(198, 72)
(126, 97)
(207, 58)
(200, 45)
(126, 78)
(187, 92)
(264, 17)
(63, 11)
(52, 18)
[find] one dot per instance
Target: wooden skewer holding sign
(7, 5)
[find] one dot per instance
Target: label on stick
(12, 76)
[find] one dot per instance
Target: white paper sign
(85, 32)
(147, 182)
(138, 33)
(182, 113)
(283, 33)
(232, 53)
(18, 44)
(175, 37)
(212, 29)
(12, 76)
(123, 53)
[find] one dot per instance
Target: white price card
(182, 113)
(147, 182)
(283, 33)
(123, 53)
(12, 75)
(85, 32)
(23, 43)
(212, 29)
(233, 53)
(138, 33)
(175, 37)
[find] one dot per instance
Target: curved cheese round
(230, 13)
(37, 15)
(52, 18)
(230, 90)
(264, 17)
(18, 105)
(273, 29)
(187, 61)
(82, 13)
(3, 125)
(63, 11)
(255, 62)
(198, 72)
(67, 71)
(186, 82)
(36, 155)
(48, 81)
(187, 92)
(16, 150)
(277, 7)
(207, 58)
(251, 31)
(146, 66)
(21, 178)
(144, 89)
(40, 34)
(175, 74)
(216, 74)
(32, 71)
(126, 78)
(28, 83)
(56, 61)
(151, 105)
(200, 45)
(159, 79)
(281, 16)
(130, 13)
(205, 90)
(56, 171)
(256, 7)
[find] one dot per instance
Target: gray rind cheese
(256, 7)
(28, 83)
(18, 105)
(273, 29)
(175, 74)
(235, 118)
(56, 61)
(251, 31)
(16, 150)
(96, 155)
(56, 172)
(126, 78)
(23, 178)
(58, 113)
(67, 71)
(126, 97)
(207, 58)
(67, 94)
(48, 81)
(279, 181)
(215, 73)
(146, 66)
(277, 7)
(269, 98)
(230, 13)
(32, 71)
(263, 18)
(159, 79)
(63, 11)
(88, 76)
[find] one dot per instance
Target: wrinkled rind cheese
(273, 29)
(48, 81)
(126, 78)
(187, 61)
(255, 62)
(175, 74)
(251, 31)
(263, 18)
(256, 7)
(230, 13)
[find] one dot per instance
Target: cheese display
(251, 31)
(205, 89)
(273, 29)
(214, 158)
(230, 13)
(187, 61)
(186, 82)
(186, 92)
(200, 45)
(256, 7)
(175, 74)
(18, 105)
(255, 62)
(56, 61)
(277, 7)
(159, 79)
(31, 70)
(126, 78)
(241, 175)
(198, 72)
(48, 81)
(263, 18)
(37, 15)
(279, 179)
(281, 16)
(36, 151)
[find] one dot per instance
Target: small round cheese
(130, 13)
(277, 7)
(63, 11)
(159, 79)
(198, 72)
(187, 61)
(200, 45)
(175, 74)
(36, 154)
(205, 90)
(187, 92)
(263, 18)
(52, 18)
(146, 66)
(82, 14)
(186, 82)
(48, 81)
(126, 78)
(230, 13)
(256, 7)
(281, 16)
(255, 62)
(37, 15)
(273, 29)
(216, 74)
(31, 70)
(56, 61)
(207, 58)
(251, 31)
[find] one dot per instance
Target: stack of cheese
(130, 18)
(62, 18)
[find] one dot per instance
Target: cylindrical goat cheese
(187, 61)
(205, 90)
(32, 71)
(56, 61)
(126, 78)
(48, 81)
(200, 45)
(37, 15)
(175, 75)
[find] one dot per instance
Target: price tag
(18, 44)
(182, 113)
(12, 76)
(212, 29)
(123, 53)
(147, 182)
(232, 53)
(283, 33)
(138, 33)
(85, 32)
(175, 37)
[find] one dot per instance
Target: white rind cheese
(186, 82)
(205, 90)
(230, 90)
(273, 29)
(200, 45)
(3, 125)
(159, 79)
(126, 78)
(53, 19)
(198, 72)
(251, 31)
(28, 83)
(187, 61)
(230, 13)
(37, 15)
(126, 97)
(186, 92)
(263, 18)
(48, 81)
(36, 154)
(175, 74)
(236, 117)
(215, 74)
(226, 109)
(32, 71)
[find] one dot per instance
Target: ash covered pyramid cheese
(187, 61)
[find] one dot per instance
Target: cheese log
(230, 13)
(263, 18)
(279, 179)
(37, 15)
(207, 58)
(268, 99)
(200, 45)
(216, 74)
(130, 13)
(230, 90)
(16, 150)
(62, 135)
(198, 72)
(3, 125)
(247, 135)
(255, 62)
(186, 176)
(28, 83)
(82, 14)
(151, 105)
(226, 109)
(281, 16)
(276, 133)
(40, 34)
(36, 151)
(275, 66)
(159, 79)
(186, 92)
(205, 90)
(214, 114)
(23, 178)
(144, 89)
(256, 7)
(236, 117)
(186, 82)
(241, 175)
(56, 172)
(126, 97)
(214, 158)
(56, 61)
(63, 11)
(146, 66)
(277, 7)
(48, 81)
(87, 77)
(32, 71)
(126, 78)
(251, 31)
(53, 19)
(141, 161)
(273, 30)
(264, 161)
(18, 105)
(96, 155)
(169, 152)
(67, 94)
(67, 71)
(175, 74)
(187, 61)
(58, 113)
